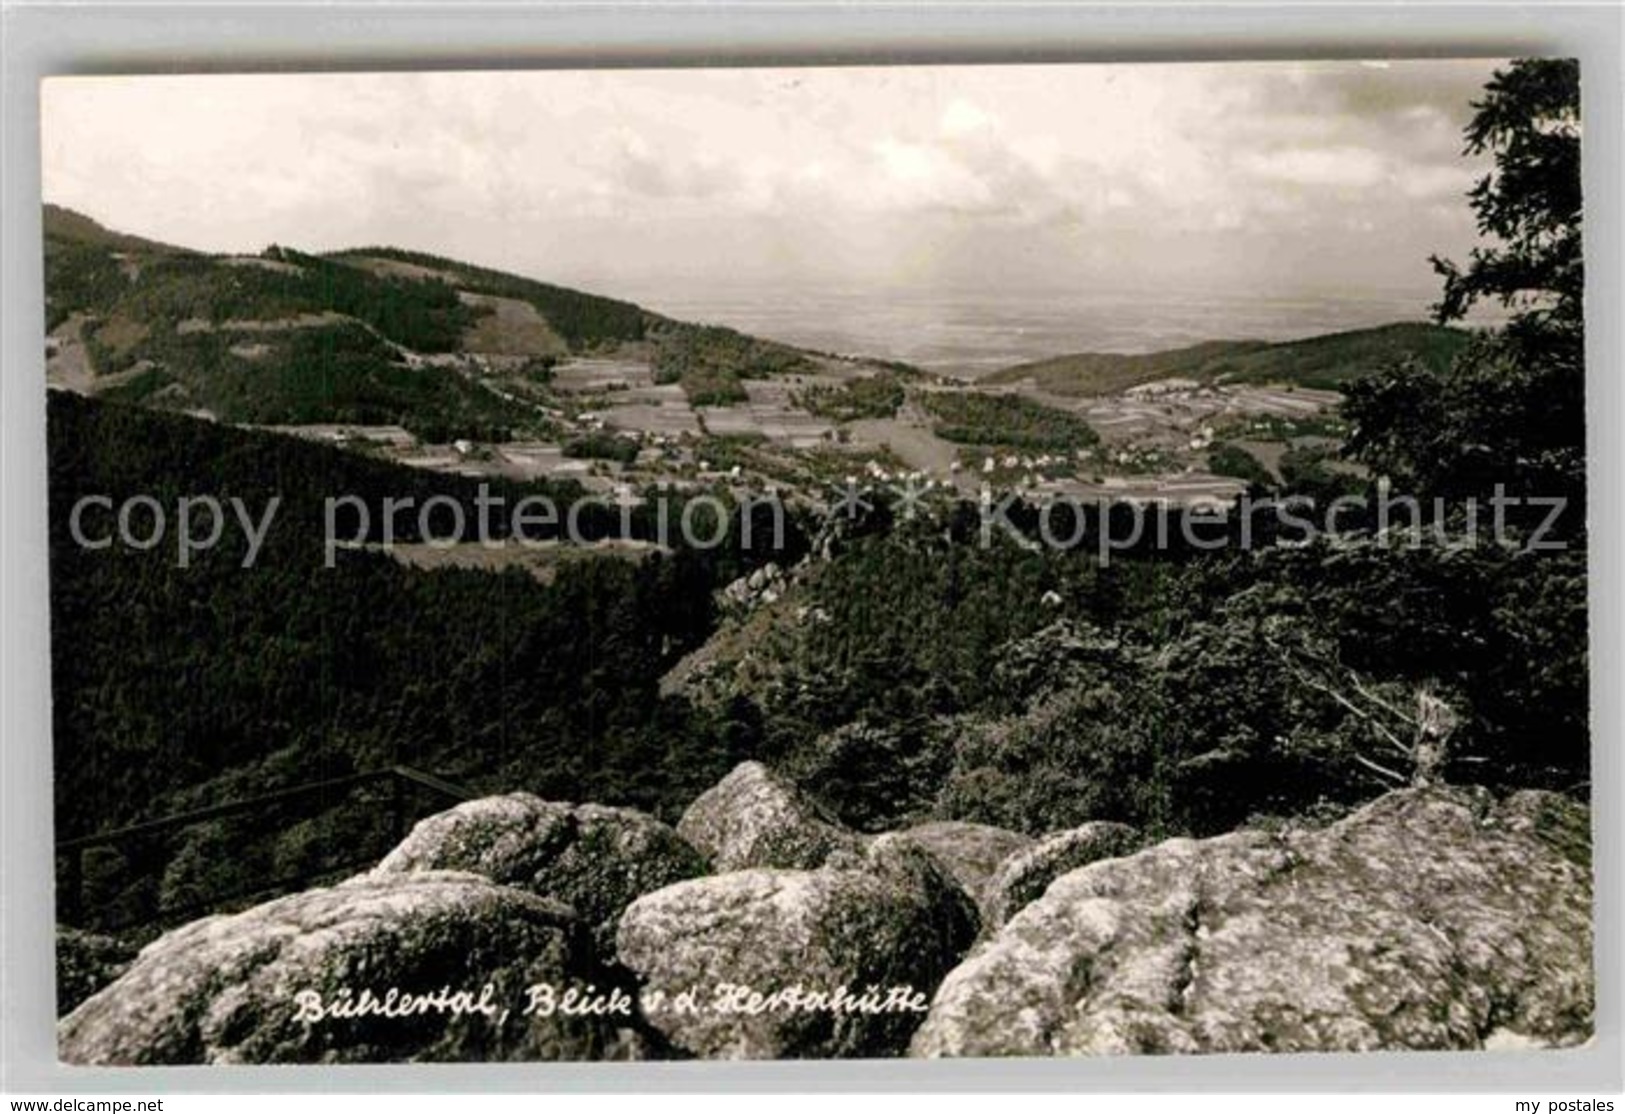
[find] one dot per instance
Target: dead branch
(1430, 728)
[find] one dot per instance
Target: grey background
(50, 39)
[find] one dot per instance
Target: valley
(449, 367)
(1119, 643)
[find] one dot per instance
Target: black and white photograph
(867, 562)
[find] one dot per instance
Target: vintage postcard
(916, 561)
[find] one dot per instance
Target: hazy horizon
(969, 329)
(1277, 178)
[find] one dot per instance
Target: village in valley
(1154, 439)
(503, 377)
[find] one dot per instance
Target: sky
(1276, 177)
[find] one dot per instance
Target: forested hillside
(585, 320)
(900, 663)
(911, 672)
(1180, 691)
(1328, 361)
(367, 336)
(180, 686)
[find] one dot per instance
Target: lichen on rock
(228, 989)
(755, 818)
(1560, 822)
(879, 921)
(593, 858)
(1025, 875)
(1426, 920)
(970, 853)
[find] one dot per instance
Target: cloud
(1344, 168)
(1014, 174)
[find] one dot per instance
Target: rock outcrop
(1430, 919)
(1561, 823)
(593, 858)
(761, 586)
(1025, 876)
(880, 927)
(1426, 920)
(227, 989)
(970, 853)
(754, 818)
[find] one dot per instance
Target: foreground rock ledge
(971, 853)
(1427, 920)
(594, 858)
(222, 989)
(1026, 874)
(755, 818)
(886, 918)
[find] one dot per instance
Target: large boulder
(248, 988)
(970, 853)
(1426, 920)
(767, 964)
(1025, 876)
(593, 858)
(755, 818)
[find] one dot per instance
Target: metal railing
(400, 781)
